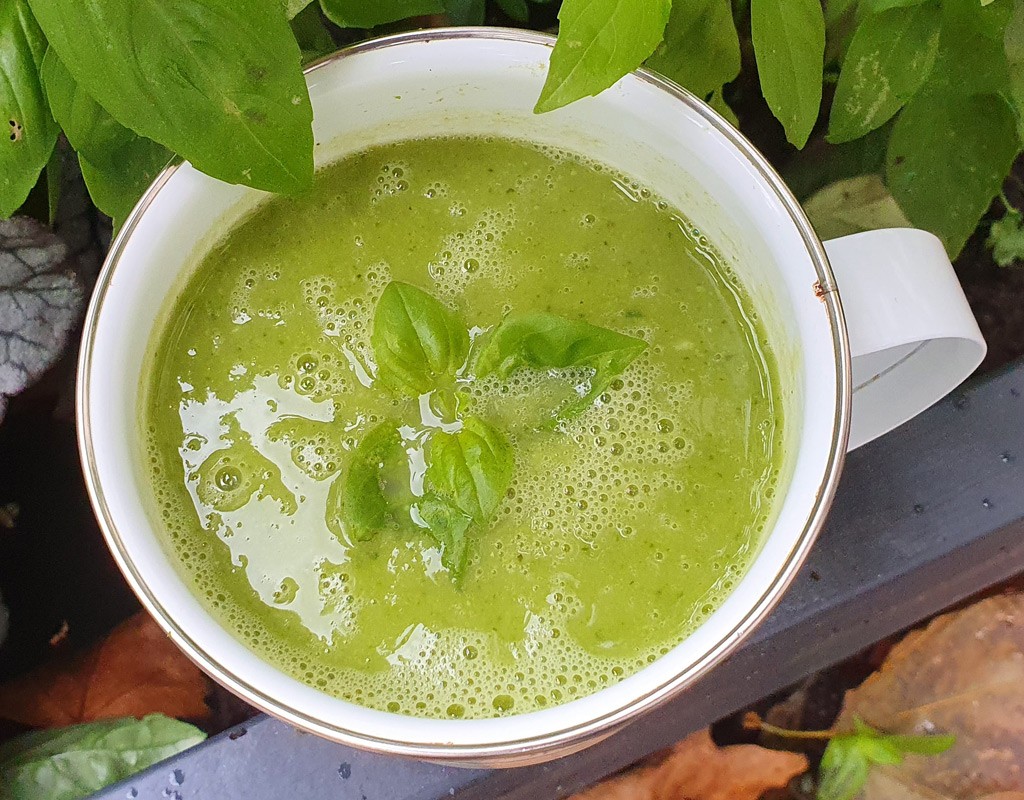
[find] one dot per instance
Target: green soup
(417, 531)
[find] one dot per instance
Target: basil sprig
(421, 346)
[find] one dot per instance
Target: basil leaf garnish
(416, 340)
(471, 468)
(547, 341)
(358, 501)
(448, 526)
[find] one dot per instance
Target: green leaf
(218, 82)
(930, 745)
(1006, 238)
(599, 41)
(789, 44)
(371, 13)
(547, 341)
(1013, 44)
(947, 159)
(701, 49)
(718, 103)
(293, 7)
(117, 164)
(471, 468)
(71, 763)
(843, 770)
(359, 501)
(889, 59)
(54, 169)
(416, 340)
(972, 55)
(877, 6)
(312, 35)
(516, 9)
(854, 205)
(448, 526)
(465, 12)
(27, 131)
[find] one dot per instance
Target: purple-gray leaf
(41, 299)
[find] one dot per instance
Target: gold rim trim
(568, 739)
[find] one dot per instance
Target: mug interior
(462, 82)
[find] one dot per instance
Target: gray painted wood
(925, 517)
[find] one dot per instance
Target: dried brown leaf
(135, 671)
(963, 674)
(698, 769)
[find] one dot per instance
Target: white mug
(862, 345)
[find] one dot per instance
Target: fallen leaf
(40, 302)
(135, 671)
(698, 769)
(853, 205)
(963, 675)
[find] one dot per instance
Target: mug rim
(548, 743)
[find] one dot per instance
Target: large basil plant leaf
(599, 41)
(370, 13)
(701, 50)
(27, 130)
(71, 763)
(217, 81)
(416, 340)
(546, 341)
(118, 165)
(789, 44)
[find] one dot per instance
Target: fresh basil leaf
(516, 9)
(843, 770)
(947, 159)
(293, 7)
(717, 102)
(1013, 44)
(416, 340)
(448, 526)
(359, 502)
(972, 56)
(930, 745)
(1006, 238)
(54, 171)
(71, 763)
(370, 13)
(546, 341)
(701, 49)
(599, 41)
(218, 82)
(789, 45)
(117, 164)
(312, 35)
(889, 59)
(854, 205)
(877, 6)
(27, 130)
(471, 468)
(466, 12)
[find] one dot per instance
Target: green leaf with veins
(599, 41)
(854, 205)
(889, 59)
(118, 165)
(471, 468)
(27, 130)
(218, 81)
(701, 49)
(1006, 238)
(789, 46)
(545, 341)
(416, 341)
(371, 13)
(69, 763)
(849, 757)
(448, 526)
(362, 500)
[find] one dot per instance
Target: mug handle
(913, 337)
